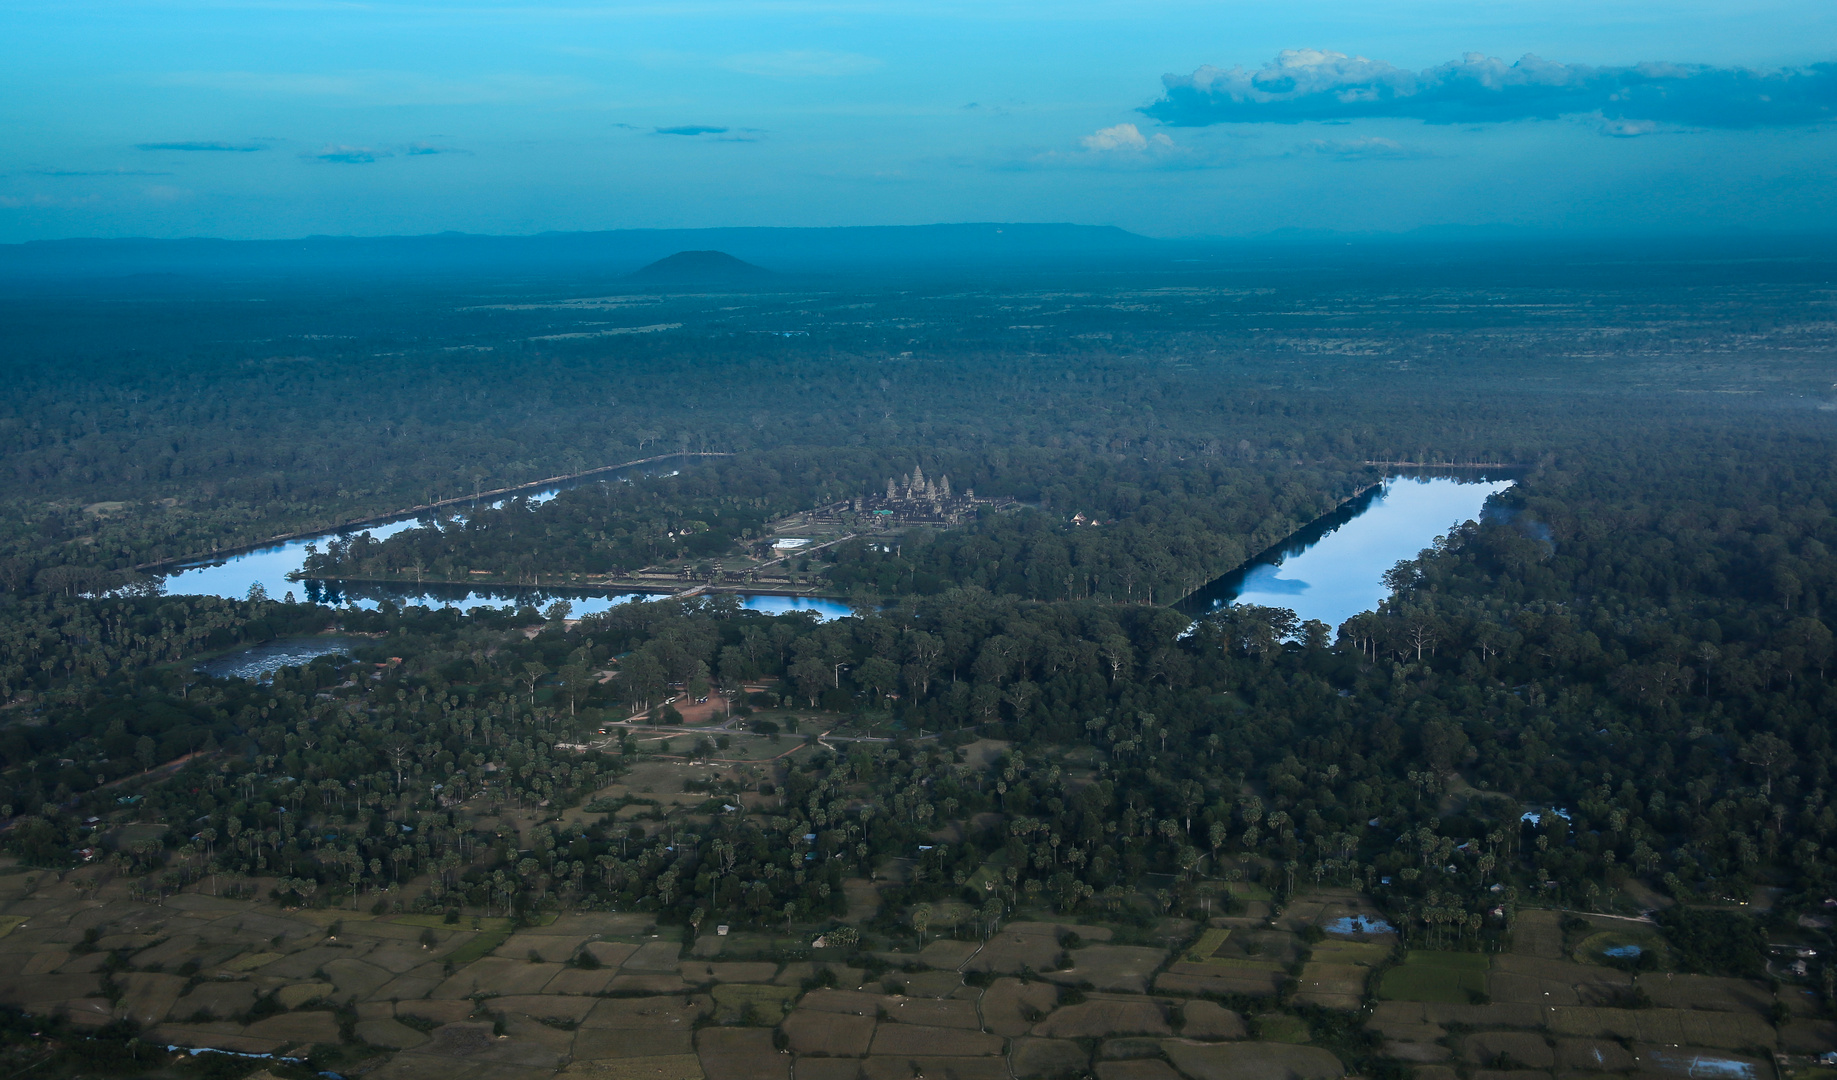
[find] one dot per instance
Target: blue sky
(238, 118)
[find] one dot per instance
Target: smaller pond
(262, 661)
(1358, 924)
(1698, 1066)
(1623, 952)
(1536, 817)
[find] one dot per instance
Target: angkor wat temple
(917, 500)
(909, 500)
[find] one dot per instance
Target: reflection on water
(262, 661)
(269, 567)
(1359, 924)
(1329, 571)
(581, 601)
(1334, 569)
(779, 605)
(1698, 1066)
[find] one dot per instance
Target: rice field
(1447, 977)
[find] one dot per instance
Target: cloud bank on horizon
(1318, 85)
(202, 147)
(248, 118)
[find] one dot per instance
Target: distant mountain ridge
(858, 253)
(791, 250)
(688, 267)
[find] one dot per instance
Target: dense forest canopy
(223, 414)
(1612, 695)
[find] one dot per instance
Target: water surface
(1329, 571)
(1359, 924)
(234, 575)
(1335, 568)
(262, 661)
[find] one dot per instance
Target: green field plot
(768, 1003)
(1207, 944)
(1446, 977)
(438, 922)
(1368, 953)
(1252, 1061)
(478, 948)
(1238, 963)
(744, 943)
(1281, 1028)
(1537, 934)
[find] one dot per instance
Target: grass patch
(989, 873)
(1281, 1028)
(464, 925)
(670, 1067)
(1266, 963)
(478, 948)
(738, 945)
(1443, 977)
(1208, 943)
(749, 1002)
(1368, 953)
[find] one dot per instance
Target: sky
(280, 118)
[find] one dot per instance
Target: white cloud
(1124, 138)
(1122, 147)
(1320, 85)
(1626, 129)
